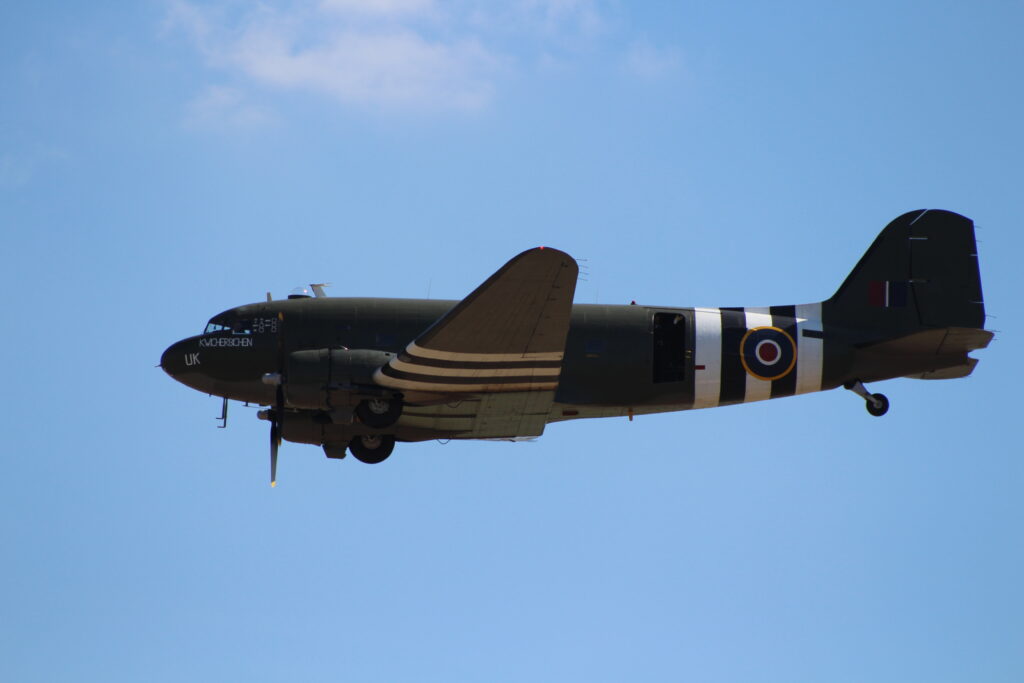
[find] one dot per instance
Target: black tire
(372, 448)
(880, 410)
(379, 413)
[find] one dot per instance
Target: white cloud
(223, 107)
(649, 62)
(384, 67)
(557, 16)
(378, 7)
(388, 64)
(407, 55)
(189, 18)
(553, 22)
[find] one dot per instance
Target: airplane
(357, 375)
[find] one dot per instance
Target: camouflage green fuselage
(615, 362)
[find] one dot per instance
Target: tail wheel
(877, 405)
(379, 412)
(372, 448)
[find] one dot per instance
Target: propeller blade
(278, 412)
(275, 433)
(275, 441)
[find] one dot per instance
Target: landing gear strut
(876, 404)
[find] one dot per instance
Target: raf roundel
(768, 353)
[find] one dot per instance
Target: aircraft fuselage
(619, 360)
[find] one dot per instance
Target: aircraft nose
(180, 358)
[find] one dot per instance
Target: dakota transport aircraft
(358, 374)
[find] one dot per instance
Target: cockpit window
(233, 326)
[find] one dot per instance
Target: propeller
(277, 414)
(275, 433)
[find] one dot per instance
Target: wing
(499, 351)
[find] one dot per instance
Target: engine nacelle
(333, 379)
(311, 428)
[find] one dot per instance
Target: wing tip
(547, 250)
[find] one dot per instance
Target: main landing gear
(876, 404)
(376, 413)
(368, 448)
(379, 412)
(371, 448)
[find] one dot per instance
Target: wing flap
(489, 416)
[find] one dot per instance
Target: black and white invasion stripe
(723, 376)
(433, 370)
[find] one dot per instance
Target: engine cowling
(332, 379)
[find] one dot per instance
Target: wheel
(879, 410)
(379, 412)
(372, 448)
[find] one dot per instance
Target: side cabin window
(669, 338)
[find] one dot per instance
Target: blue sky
(163, 161)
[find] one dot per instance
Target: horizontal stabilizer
(929, 354)
(948, 341)
(954, 372)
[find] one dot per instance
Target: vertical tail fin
(920, 273)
